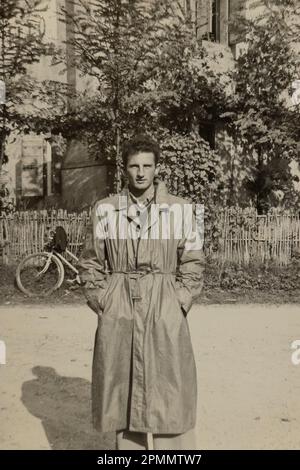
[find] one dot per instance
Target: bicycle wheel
(39, 274)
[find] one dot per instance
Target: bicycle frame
(64, 261)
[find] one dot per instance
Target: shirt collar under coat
(142, 204)
(160, 198)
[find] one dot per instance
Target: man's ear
(157, 169)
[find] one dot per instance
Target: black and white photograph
(149, 228)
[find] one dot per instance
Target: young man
(141, 279)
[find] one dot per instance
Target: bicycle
(38, 271)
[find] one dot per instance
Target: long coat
(144, 372)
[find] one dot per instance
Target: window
(211, 20)
(215, 20)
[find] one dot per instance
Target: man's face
(141, 170)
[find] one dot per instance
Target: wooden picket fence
(246, 237)
(240, 236)
(27, 232)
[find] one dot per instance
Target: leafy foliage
(271, 279)
(20, 46)
(263, 117)
(191, 168)
(146, 72)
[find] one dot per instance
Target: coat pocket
(178, 298)
(92, 300)
(102, 295)
(181, 306)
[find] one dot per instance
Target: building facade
(38, 176)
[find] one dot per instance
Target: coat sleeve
(191, 264)
(92, 264)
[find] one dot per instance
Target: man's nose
(141, 171)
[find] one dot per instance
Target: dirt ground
(247, 385)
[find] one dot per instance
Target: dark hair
(140, 143)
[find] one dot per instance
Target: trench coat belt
(136, 274)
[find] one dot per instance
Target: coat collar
(160, 196)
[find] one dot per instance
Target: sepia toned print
(149, 230)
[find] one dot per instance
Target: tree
(263, 120)
(147, 68)
(20, 46)
(119, 43)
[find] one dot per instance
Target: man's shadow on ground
(63, 405)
